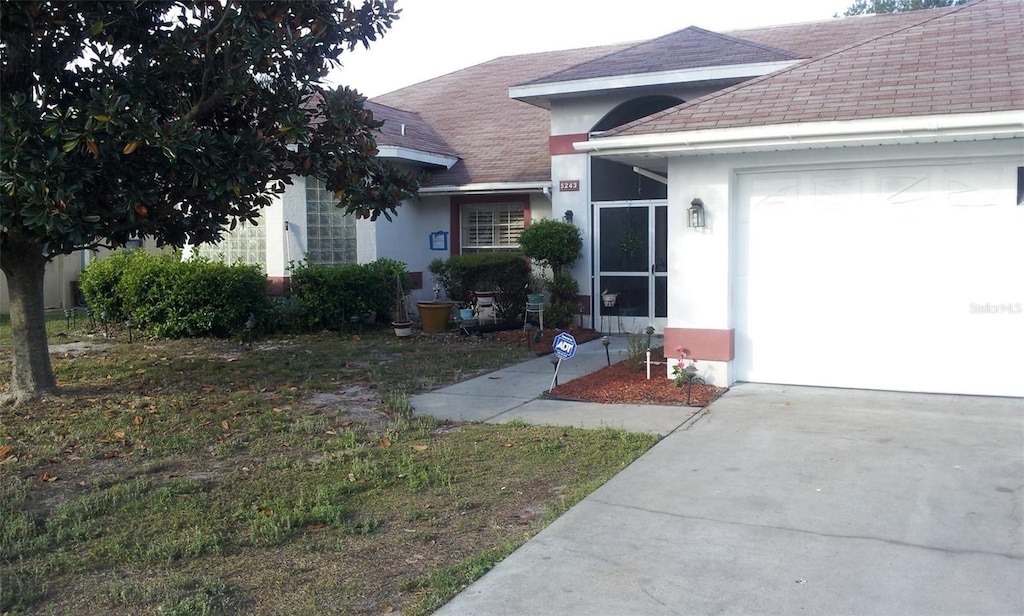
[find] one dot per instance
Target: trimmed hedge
(336, 297)
(507, 273)
(171, 298)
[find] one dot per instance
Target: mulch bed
(542, 343)
(618, 384)
(615, 384)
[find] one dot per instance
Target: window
(492, 227)
(247, 243)
(331, 234)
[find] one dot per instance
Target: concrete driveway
(790, 500)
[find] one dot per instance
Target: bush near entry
(330, 296)
(507, 273)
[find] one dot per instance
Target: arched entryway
(630, 239)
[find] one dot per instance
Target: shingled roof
(499, 140)
(967, 59)
(407, 129)
(814, 38)
(685, 49)
(961, 59)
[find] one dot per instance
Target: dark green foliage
(558, 245)
(171, 120)
(553, 243)
(99, 283)
(864, 7)
(336, 297)
(507, 273)
(171, 298)
(563, 288)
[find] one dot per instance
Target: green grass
(207, 477)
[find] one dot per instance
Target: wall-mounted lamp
(695, 215)
(568, 216)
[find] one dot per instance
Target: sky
(436, 37)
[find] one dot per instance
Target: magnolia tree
(173, 120)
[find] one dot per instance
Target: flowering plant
(684, 373)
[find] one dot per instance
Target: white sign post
(564, 346)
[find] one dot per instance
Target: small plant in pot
(465, 310)
(401, 321)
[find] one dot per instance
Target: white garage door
(902, 278)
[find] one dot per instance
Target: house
(860, 185)
(834, 203)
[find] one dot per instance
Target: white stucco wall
(406, 237)
(701, 262)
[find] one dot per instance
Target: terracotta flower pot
(434, 315)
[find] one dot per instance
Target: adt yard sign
(564, 346)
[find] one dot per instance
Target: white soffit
(882, 131)
(418, 156)
(639, 80)
(486, 188)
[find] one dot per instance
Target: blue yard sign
(564, 346)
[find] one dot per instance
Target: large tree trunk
(24, 265)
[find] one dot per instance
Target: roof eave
(806, 135)
(540, 94)
(416, 156)
(482, 188)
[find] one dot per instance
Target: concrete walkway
(782, 500)
(512, 393)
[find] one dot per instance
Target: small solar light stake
(250, 324)
(129, 324)
(605, 340)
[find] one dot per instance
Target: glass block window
(491, 227)
(246, 243)
(331, 234)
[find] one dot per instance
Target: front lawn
(283, 477)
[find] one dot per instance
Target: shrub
(563, 289)
(168, 297)
(553, 243)
(507, 273)
(99, 281)
(336, 297)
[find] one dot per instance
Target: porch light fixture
(695, 215)
(568, 216)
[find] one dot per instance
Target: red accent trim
(701, 344)
(455, 207)
(455, 227)
(562, 144)
(583, 301)
(279, 285)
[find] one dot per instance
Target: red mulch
(617, 384)
(547, 337)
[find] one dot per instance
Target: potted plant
(535, 292)
(401, 322)
(466, 311)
